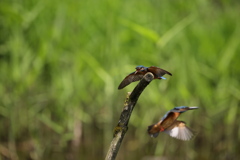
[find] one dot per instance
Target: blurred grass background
(62, 61)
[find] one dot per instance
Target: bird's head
(140, 68)
(182, 109)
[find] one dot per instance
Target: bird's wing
(132, 77)
(158, 71)
(180, 131)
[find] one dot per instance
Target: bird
(140, 72)
(173, 127)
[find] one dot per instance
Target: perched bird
(170, 125)
(140, 72)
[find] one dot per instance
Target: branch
(122, 126)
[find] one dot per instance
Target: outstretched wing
(180, 131)
(132, 77)
(158, 71)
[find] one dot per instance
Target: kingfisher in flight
(140, 72)
(173, 127)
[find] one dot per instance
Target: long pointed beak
(135, 71)
(190, 108)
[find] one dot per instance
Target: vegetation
(62, 61)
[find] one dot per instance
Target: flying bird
(140, 72)
(170, 125)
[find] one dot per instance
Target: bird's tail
(153, 130)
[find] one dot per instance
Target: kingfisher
(140, 72)
(173, 127)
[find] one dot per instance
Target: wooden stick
(122, 126)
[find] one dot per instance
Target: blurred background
(62, 61)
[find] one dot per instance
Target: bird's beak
(135, 71)
(190, 108)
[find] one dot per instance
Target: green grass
(62, 61)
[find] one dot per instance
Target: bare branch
(122, 126)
